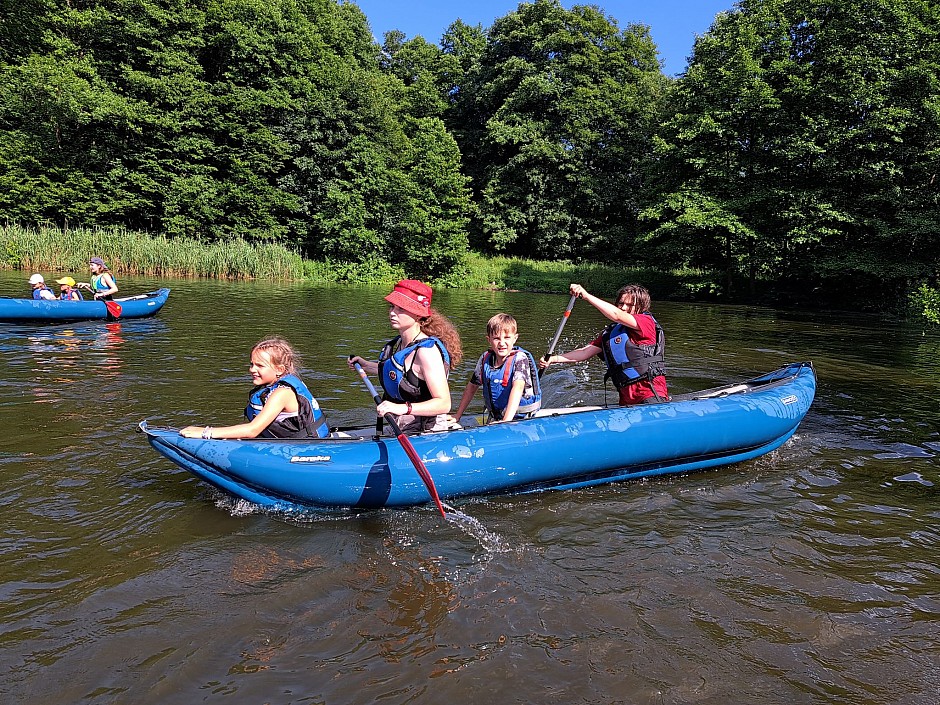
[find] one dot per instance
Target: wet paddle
(114, 309)
(561, 326)
(405, 443)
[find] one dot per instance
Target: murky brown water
(807, 576)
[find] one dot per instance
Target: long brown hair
(639, 294)
(439, 326)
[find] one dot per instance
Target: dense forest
(799, 153)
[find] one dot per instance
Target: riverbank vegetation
(51, 250)
(797, 158)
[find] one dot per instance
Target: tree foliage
(554, 118)
(814, 125)
(800, 149)
(218, 119)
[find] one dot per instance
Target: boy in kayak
(67, 290)
(633, 346)
(279, 406)
(40, 290)
(506, 372)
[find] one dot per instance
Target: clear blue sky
(674, 24)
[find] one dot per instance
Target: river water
(807, 576)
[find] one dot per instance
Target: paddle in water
(405, 443)
(561, 326)
(114, 309)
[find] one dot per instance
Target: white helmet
(37, 279)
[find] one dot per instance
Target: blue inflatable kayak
(56, 311)
(561, 449)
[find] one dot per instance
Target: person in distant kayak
(102, 281)
(507, 374)
(67, 290)
(414, 366)
(40, 290)
(280, 404)
(633, 347)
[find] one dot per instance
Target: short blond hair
(501, 322)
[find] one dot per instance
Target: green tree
(418, 65)
(435, 203)
(555, 118)
(55, 113)
(812, 127)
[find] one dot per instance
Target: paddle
(561, 326)
(114, 309)
(405, 443)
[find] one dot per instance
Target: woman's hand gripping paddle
(561, 326)
(405, 443)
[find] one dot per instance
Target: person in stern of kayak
(507, 374)
(279, 406)
(632, 347)
(414, 366)
(102, 281)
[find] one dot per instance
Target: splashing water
(492, 543)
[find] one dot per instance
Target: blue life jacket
(37, 295)
(403, 385)
(97, 282)
(68, 297)
(497, 384)
(629, 363)
(308, 422)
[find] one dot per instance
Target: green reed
(48, 249)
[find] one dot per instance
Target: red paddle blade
(114, 308)
(422, 471)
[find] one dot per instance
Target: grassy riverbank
(53, 250)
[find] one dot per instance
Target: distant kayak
(560, 449)
(139, 306)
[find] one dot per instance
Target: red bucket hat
(413, 296)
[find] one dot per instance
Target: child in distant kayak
(279, 406)
(102, 281)
(67, 290)
(632, 347)
(40, 290)
(506, 372)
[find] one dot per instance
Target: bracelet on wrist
(408, 408)
(207, 432)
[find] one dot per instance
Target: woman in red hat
(414, 366)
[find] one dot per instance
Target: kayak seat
(565, 410)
